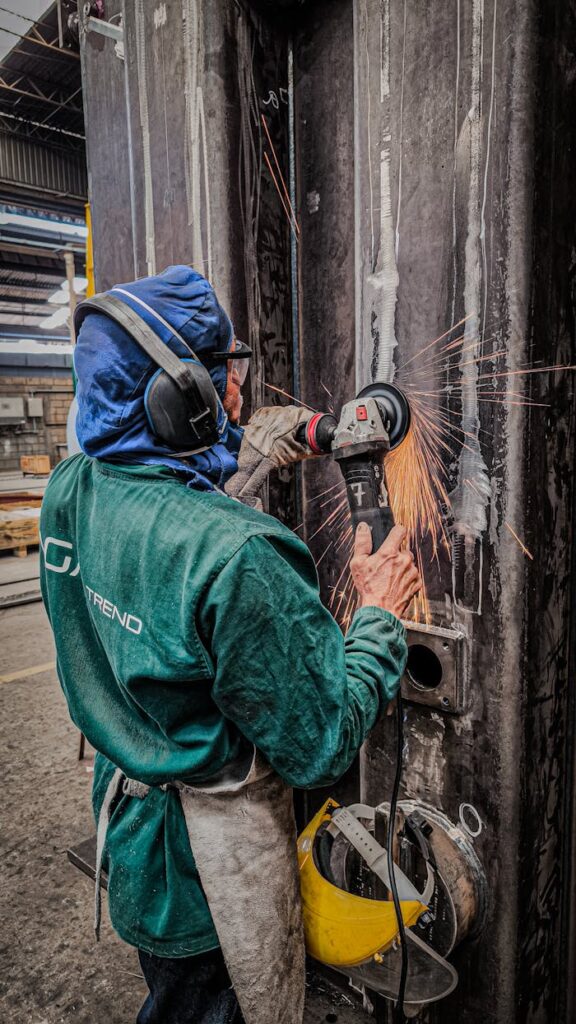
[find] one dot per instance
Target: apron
(243, 838)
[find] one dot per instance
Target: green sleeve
(284, 674)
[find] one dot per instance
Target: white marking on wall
(487, 166)
(385, 51)
(454, 179)
(250, 177)
(197, 171)
(376, 268)
(400, 141)
(143, 79)
(469, 503)
(425, 754)
(160, 16)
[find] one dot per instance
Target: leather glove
(269, 442)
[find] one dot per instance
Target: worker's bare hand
(388, 578)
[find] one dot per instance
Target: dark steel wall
(438, 140)
(434, 167)
(177, 170)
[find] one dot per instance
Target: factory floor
(52, 971)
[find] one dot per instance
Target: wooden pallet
(19, 499)
(35, 465)
(19, 530)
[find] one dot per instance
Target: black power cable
(399, 1017)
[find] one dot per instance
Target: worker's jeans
(190, 990)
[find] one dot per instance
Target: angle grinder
(371, 425)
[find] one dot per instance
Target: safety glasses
(239, 355)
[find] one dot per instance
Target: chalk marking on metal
(401, 139)
(469, 508)
(487, 166)
(454, 181)
(142, 77)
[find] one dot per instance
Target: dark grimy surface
(434, 162)
(454, 120)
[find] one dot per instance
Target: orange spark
(327, 491)
(519, 542)
(291, 216)
(292, 223)
(436, 340)
(285, 393)
(341, 507)
(416, 473)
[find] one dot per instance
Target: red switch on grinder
(361, 413)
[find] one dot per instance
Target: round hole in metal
(424, 667)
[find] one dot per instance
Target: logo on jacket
(59, 557)
(130, 622)
(56, 558)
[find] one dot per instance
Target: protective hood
(113, 371)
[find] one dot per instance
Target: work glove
(269, 442)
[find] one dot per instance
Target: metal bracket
(437, 667)
(105, 28)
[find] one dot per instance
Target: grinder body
(360, 443)
(369, 426)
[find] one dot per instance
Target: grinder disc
(394, 404)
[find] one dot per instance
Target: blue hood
(113, 372)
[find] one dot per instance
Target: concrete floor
(52, 970)
(19, 578)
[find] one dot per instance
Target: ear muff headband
(183, 407)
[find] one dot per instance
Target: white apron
(243, 837)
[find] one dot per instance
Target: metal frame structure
(42, 165)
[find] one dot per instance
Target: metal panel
(107, 154)
(35, 408)
(11, 410)
(177, 169)
(445, 144)
(418, 147)
(324, 142)
(26, 164)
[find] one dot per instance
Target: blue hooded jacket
(113, 372)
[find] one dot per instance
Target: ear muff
(168, 410)
(181, 401)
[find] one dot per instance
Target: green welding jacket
(189, 628)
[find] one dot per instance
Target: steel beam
(36, 97)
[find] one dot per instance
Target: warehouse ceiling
(40, 83)
(42, 167)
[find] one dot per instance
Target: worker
(196, 656)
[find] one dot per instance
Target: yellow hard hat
(343, 929)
